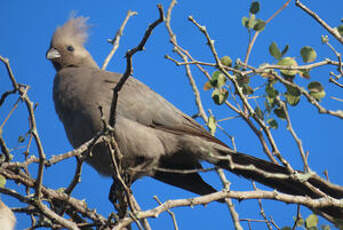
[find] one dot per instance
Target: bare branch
(295, 136)
(263, 214)
(233, 212)
(240, 195)
(115, 41)
(252, 42)
(129, 69)
(331, 30)
(240, 93)
(170, 213)
(181, 52)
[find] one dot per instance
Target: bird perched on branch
(151, 133)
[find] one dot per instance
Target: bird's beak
(52, 54)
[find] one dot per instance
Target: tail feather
(279, 178)
(265, 172)
(190, 181)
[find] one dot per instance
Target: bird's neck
(88, 63)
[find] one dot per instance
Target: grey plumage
(148, 128)
(151, 132)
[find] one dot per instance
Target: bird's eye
(70, 48)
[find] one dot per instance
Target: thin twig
(3, 147)
(331, 30)
(115, 41)
(180, 52)
(335, 82)
(252, 42)
(339, 58)
(263, 214)
(172, 215)
(129, 69)
(297, 218)
(5, 95)
(234, 214)
(30, 107)
(10, 72)
(240, 93)
(295, 136)
(77, 176)
(273, 223)
(240, 195)
(112, 121)
(310, 98)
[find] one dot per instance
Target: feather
(75, 29)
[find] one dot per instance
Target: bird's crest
(75, 29)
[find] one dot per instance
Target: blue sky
(26, 28)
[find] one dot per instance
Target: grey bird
(150, 131)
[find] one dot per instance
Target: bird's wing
(139, 103)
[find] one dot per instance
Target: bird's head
(67, 45)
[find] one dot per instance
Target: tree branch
(331, 30)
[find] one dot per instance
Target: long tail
(279, 178)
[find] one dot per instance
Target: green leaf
(316, 90)
(212, 124)
(300, 222)
(286, 228)
(312, 228)
(259, 112)
(237, 65)
(219, 96)
(218, 79)
(2, 181)
(247, 90)
(325, 39)
(291, 99)
(271, 91)
(242, 79)
(272, 123)
(304, 73)
(61, 189)
(252, 21)
(325, 227)
(254, 7)
(259, 25)
(21, 139)
(245, 22)
(288, 61)
(226, 60)
(292, 95)
(284, 51)
(274, 51)
(315, 86)
(340, 30)
(308, 54)
(280, 113)
(268, 73)
(270, 102)
(311, 221)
